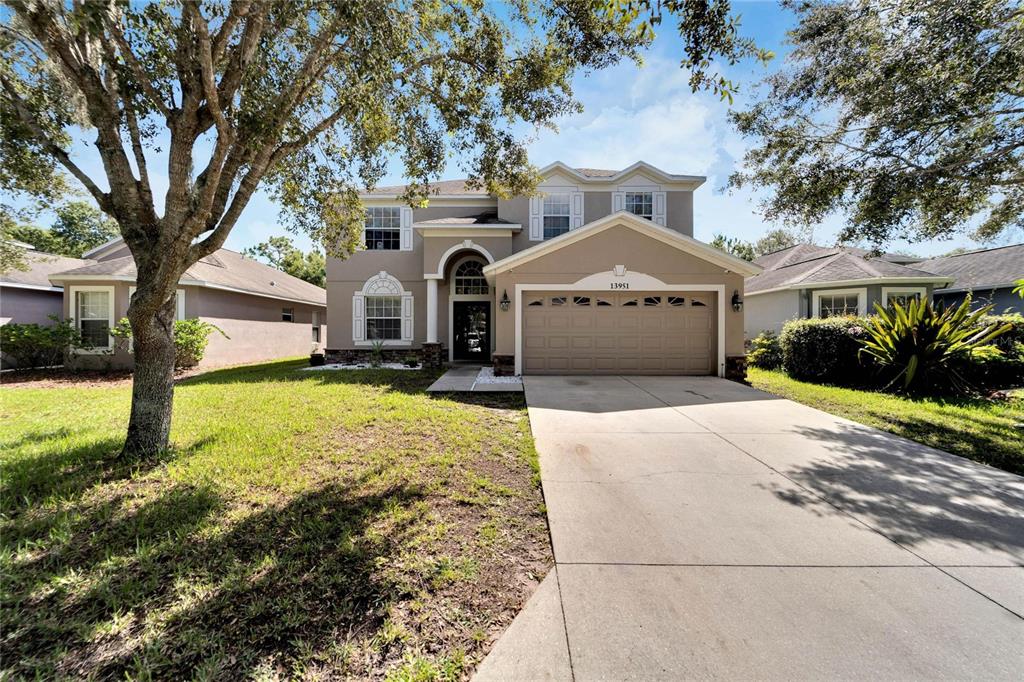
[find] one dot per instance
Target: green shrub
(35, 345)
(190, 339)
(765, 351)
(921, 348)
(1004, 370)
(826, 350)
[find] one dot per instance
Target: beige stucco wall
(601, 253)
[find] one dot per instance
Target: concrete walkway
(703, 529)
(464, 379)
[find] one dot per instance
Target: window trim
(397, 229)
(567, 215)
(897, 290)
(861, 292)
(625, 199)
(382, 284)
(73, 292)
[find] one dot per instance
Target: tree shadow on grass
(169, 588)
(67, 472)
(914, 494)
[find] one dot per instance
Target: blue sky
(632, 113)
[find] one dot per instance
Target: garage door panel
(591, 332)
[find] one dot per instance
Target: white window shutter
(618, 201)
(659, 208)
(536, 219)
(406, 229)
(407, 318)
(577, 210)
(358, 319)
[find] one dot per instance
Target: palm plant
(923, 345)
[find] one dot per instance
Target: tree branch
(135, 65)
(102, 198)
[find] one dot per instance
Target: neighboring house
(598, 273)
(813, 281)
(987, 274)
(28, 296)
(264, 312)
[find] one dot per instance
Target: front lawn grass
(305, 524)
(979, 429)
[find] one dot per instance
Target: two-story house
(597, 273)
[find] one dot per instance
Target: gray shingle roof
(982, 269)
(40, 267)
(596, 172)
(811, 265)
(222, 268)
(486, 218)
(440, 187)
(459, 186)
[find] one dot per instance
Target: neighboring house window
(839, 303)
(641, 204)
(556, 215)
(382, 311)
(383, 228)
(92, 308)
(316, 326)
(469, 278)
(384, 318)
(902, 295)
(287, 314)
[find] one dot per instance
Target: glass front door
(471, 328)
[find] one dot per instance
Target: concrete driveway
(702, 528)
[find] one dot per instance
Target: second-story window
(383, 228)
(641, 204)
(556, 215)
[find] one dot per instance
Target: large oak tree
(907, 116)
(307, 98)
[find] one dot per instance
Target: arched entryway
(470, 311)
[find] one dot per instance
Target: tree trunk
(153, 382)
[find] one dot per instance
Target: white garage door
(637, 333)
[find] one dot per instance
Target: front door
(471, 329)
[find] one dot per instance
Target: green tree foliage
(774, 240)
(80, 226)
(305, 98)
(733, 245)
(906, 115)
(921, 346)
(281, 253)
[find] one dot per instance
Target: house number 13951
(620, 285)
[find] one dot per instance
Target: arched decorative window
(469, 278)
(382, 311)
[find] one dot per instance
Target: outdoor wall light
(737, 302)
(504, 302)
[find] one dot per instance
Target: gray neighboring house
(806, 281)
(987, 274)
(266, 314)
(28, 296)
